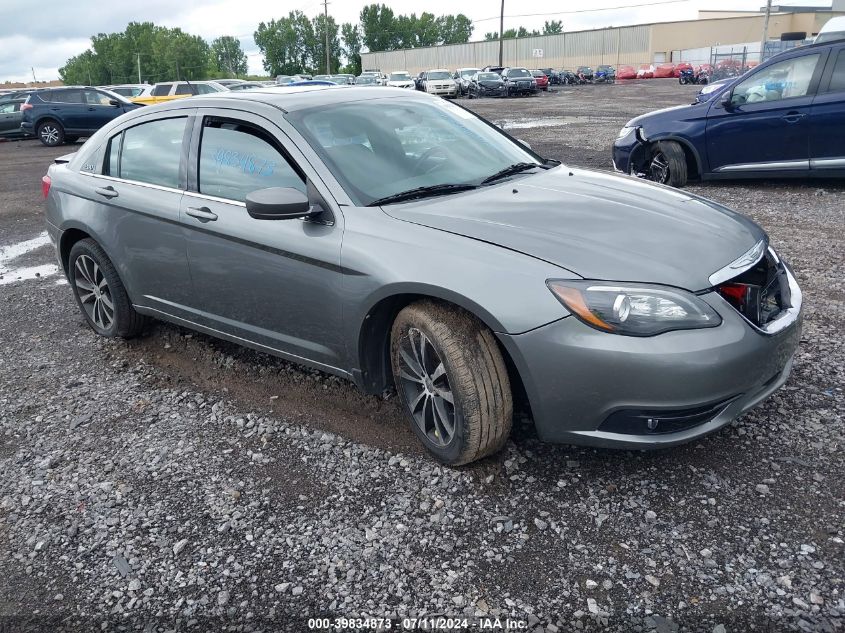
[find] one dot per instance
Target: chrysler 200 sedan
(396, 239)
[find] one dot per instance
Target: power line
(555, 13)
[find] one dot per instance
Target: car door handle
(793, 117)
(201, 213)
(106, 192)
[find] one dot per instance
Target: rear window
(152, 152)
(161, 90)
(68, 96)
(837, 79)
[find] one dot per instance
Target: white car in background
(131, 91)
(400, 79)
(439, 82)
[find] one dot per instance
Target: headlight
(625, 131)
(635, 309)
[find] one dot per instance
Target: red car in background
(542, 79)
(646, 71)
(682, 66)
(663, 71)
(626, 72)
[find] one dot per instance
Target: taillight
(45, 185)
(25, 106)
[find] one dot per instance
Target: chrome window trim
(827, 163)
(770, 166)
(739, 265)
(205, 196)
(149, 185)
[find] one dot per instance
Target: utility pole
(501, 31)
(326, 26)
(32, 68)
(765, 29)
(139, 67)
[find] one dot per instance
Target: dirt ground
(743, 529)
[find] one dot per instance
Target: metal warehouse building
(690, 40)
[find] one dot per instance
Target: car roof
(294, 98)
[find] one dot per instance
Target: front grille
(761, 293)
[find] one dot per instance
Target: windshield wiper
(510, 170)
(422, 192)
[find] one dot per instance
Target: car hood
(598, 226)
(657, 113)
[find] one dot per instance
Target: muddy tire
(100, 294)
(452, 382)
(668, 164)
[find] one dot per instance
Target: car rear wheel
(452, 381)
(51, 133)
(99, 292)
(668, 164)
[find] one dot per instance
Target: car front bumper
(443, 92)
(626, 151)
(584, 385)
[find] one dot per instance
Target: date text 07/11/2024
(418, 624)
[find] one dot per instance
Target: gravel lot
(176, 482)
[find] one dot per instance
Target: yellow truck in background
(170, 90)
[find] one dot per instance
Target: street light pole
(501, 30)
(765, 29)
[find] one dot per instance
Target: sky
(41, 46)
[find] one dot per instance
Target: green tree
(553, 27)
(318, 52)
(228, 56)
(288, 44)
(454, 29)
(352, 47)
(113, 57)
(379, 28)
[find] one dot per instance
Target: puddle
(10, 274)
(521, 124)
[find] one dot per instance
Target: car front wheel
(452, 381)
(99, 292)
(668, 164)
(51, 133)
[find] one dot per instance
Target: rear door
(827, 132)
(69, 107)
(276, 283)
(138, 189)
(766, 127)
(10, 117)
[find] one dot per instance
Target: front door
(100, 110)
(276, 283)
(827, 132)
(766, 125)
(10, 117)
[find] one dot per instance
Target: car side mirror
(114, 102)
(278, 203)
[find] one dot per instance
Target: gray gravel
(180, 483)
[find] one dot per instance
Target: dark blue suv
(782, 119)
(62, 115)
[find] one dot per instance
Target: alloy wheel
(658, 170)
(94, 293)
(426, 387)
(50, 135)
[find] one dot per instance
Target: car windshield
(400, 77)
(488, 77)
(369, 79)
(605, 68)
(466, 73)
(538, 73)
(439, 74)
(383, 147)
(518, 72)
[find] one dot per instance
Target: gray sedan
(399, 240)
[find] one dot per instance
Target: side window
(68, 96)
(162, 90)
(787, 79)
(237, 158)
(9, 108)
(94, 97)
(837, 79)
(183, 89)
(204, 89)
(111, 166)
(152, 151)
